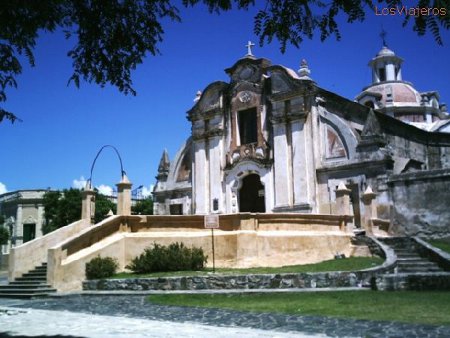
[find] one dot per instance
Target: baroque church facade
(272, 140)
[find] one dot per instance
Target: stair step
(35, 274)
(23, 295)
(34, 279)
(25, 287)
(410, 259)
(40, 269)
(421, 263)
(26, 282)
(27, 291)
(418, 270)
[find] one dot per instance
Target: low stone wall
(417, 282)
(364, 278)
(214, 282)
(436, 255)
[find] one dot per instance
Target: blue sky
(63, 127)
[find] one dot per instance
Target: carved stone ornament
(246, 73)
(245, 97)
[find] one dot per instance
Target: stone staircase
(31, 284)
(414, 270)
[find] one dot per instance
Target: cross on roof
(383, 35)
(249, 46)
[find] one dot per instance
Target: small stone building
(23, 211)
(272, 140)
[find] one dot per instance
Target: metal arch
(122, 172)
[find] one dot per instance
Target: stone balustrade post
(124, 196)
(370, 209)
(88, 204)
(343, 204)
(342, 200)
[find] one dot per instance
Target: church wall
(421, 203)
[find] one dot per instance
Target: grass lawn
(347, 264)
(441, 244)
(407, 306)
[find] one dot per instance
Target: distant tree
(102, 206)
(4, 233)
(61, 208)
(113, 37)
(143, 207)
(64, 207)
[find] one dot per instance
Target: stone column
(124, 196)
(19, 226)
(88, 204)
(370, 209)
(200, 179)
(300, 159)
(215, 177)
(282, 182)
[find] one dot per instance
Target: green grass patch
(441, 244)
(347, 264)
(408, 306)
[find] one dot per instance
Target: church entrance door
(251, 194)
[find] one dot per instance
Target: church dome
(396, 93)
(385, 52)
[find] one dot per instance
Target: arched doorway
(251, 194)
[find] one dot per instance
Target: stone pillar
(282, 182)
(215, 177)
(370, 209)
(200, 178)
(124, 196)
(342, 200)
(300, 164)
(88, 204)
(19, 226)
(343, 205)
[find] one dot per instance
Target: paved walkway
(132, 316)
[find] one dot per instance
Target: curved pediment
(210, 100)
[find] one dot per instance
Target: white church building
(272, 140)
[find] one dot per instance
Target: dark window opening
(382, 73)
(248, 126)
(29, 232)
(176, 209)
(369, 104)
(251, 195)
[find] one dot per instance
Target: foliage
(348, 264)
(61, 208)
(102, 206)
(175, 257)
(424, 307)
(443, 244)
(101, 267)
(112, 37)
(4, 235)
(143, 207)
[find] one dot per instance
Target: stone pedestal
(370, 209)
(88, 204)
(343, 204)
(124, 196)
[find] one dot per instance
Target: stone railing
(27, 256)
(242, 240)
(246, 221)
